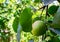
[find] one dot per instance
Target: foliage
(27, 12)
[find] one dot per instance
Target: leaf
(26, 1)
(53, 9)
(37, 1)
(35, 19)
(26, 19)
(2, 1)
(54, 39)
(56, 20)
(15, 24)
(58, 1)
(2, 24)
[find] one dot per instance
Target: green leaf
(58, 1)
(2, 25)
(56, 20)
(35, 19)
(52, 9)
(54, 39)
(37, 1)
(2, 1)
(26, 19)
(26, 1)
(15, 24)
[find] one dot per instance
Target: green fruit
(56, 20)
(38, 28)
(52, 9)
